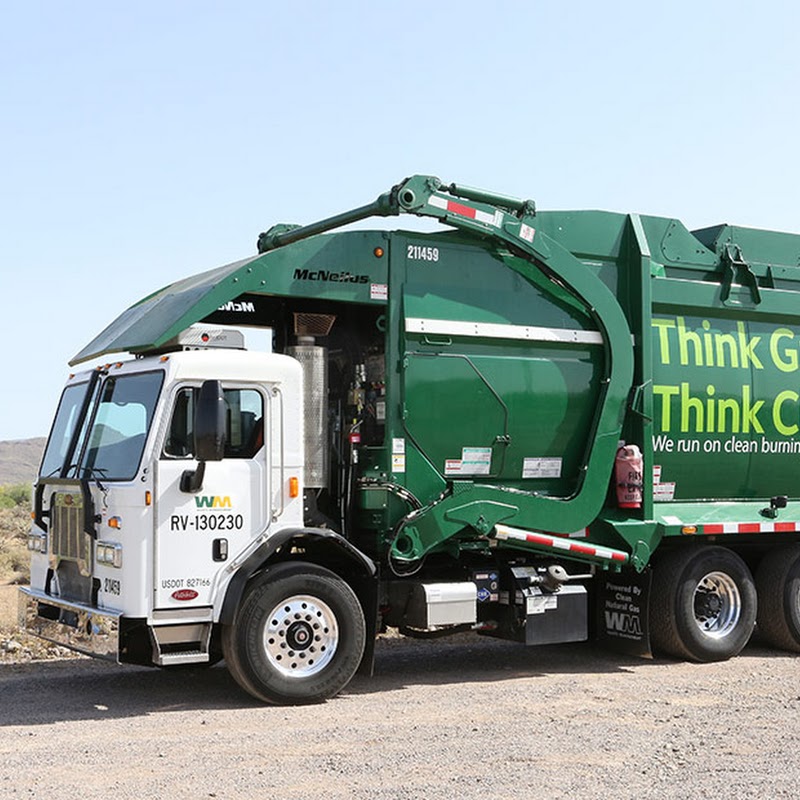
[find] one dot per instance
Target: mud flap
(622, 605)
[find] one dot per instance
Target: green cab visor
(158, 318)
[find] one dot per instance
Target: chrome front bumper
(88, 630)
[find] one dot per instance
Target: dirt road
(460, 718)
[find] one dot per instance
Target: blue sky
(143, 142)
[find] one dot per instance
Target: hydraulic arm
(511, 222)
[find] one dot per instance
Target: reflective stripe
(453, 207)
(504, 533)
(492, 330)
(714, 529)
(641, 238)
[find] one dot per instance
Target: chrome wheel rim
(717, 605)
(300, 636)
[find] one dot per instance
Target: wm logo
(623, 623)
(212, 501)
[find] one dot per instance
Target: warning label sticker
(662, 492)
(378, 291)
(473, 461)
(476, 460)
(398, 455)
(541, 468)
(539, 603)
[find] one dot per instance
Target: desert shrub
(14, 556)
(17, 495)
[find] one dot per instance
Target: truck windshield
(67, 416)
(115, 442)
(101, 432)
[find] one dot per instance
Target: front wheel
(298, 637)
(703, 604)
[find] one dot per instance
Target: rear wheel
(703, 604)
(778, 585)
(298, 637)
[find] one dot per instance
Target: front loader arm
(510, 222)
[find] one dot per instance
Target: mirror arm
(192, 479)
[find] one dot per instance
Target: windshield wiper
(95, 473)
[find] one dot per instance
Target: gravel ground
(15, 646)
(456, 718)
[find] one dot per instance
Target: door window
(244, 409)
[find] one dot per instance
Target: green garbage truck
(540, 426)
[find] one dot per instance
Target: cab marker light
(148, 498)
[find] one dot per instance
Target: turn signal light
(689, 529)
(294, 487)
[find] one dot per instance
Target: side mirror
(209, 434)
(209, 423)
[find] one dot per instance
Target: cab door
(198, 533)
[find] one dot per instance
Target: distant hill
(19, 460)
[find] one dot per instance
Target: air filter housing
(316, 447)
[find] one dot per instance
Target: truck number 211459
(417, 252)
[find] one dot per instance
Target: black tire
(778, 586)
(298, 637)
(703, 604)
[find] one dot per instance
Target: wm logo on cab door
(212, 501)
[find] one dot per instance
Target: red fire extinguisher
(628, 470)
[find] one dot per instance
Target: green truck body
(479, 384)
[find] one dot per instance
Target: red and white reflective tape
(452, 207)
(748, 527)
(504, 533)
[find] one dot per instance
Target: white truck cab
(136, 538)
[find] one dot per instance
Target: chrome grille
(68, 540)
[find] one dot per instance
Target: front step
(187, 657)
(170, 644)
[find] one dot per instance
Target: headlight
(37, 542)
(108, 553)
